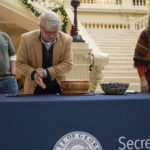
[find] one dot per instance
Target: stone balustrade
(139, 2)
(117, 2)
(141, 23)
(100, 1)
(107, 25)
(138, 24)
(47, 3)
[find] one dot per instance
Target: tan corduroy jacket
(29, 57)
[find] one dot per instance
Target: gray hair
(50, 20)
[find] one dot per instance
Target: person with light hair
(45, 56)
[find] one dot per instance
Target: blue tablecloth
(38, 122)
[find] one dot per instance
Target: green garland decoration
(31, 8)
(59, 10)
(64, 18)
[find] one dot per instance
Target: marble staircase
(120, 45)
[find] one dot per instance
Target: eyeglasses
(49, 33)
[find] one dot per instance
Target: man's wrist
(48, 74)
(13, 75)
(32, 75)
(45, 73)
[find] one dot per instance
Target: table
(117, 122)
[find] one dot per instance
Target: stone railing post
(81, 62)
(96, 74)
(132, 23)
(127, 3)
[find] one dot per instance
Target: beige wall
(107, 16)
(13, 31)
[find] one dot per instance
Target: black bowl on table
(115, 88)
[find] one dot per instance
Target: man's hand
(144, 84)
(39, 81)
(41, 72)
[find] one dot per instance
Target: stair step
(122, 79)
(121, 53)
(121, 58)
(114, 43)
(120, 46)
(114, 47)
(118, 68)
(121, 64)
(114, 38)
(118, 62)
(120, 73)
(118, 54)
(114, 32)
(117, 47)
(117, 50)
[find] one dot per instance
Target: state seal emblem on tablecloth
(77, 141)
